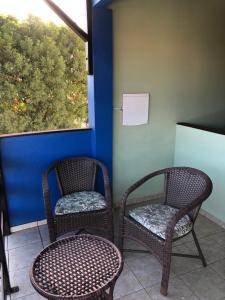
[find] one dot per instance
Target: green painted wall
(175, 50)
(205, 151)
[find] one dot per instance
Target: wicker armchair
(156, 226)
(80, 206)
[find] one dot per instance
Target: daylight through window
(43, 78)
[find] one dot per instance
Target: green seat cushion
(155, 217)
(80, 202)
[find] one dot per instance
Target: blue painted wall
(24, 158)
(102, 85)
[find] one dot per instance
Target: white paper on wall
(135, 109)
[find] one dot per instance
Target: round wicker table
(78, 267)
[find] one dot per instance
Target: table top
(76, 267)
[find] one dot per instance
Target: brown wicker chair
(80, 207)
(156, 226)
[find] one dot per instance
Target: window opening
(43, 78)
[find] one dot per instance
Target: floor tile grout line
(129, 294)
(194, 269)
(22, 297)
(21, 246)
(139, 280)
(189, 286)
(129, 269)
(217, 272)
(208, 263)
(42, 242)
(147, 292)
(155, 285)
(194, 292)
(25, 244)
(199, 237)
(178, 276)
(136, 278)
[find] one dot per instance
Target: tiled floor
(140, 279)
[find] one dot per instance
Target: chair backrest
(184, 185)
(76, 174)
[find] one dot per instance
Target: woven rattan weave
(184, 189)
(79, 267)
(75, 174)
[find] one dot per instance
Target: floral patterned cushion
(155, 218)
(80, 202)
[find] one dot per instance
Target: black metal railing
(5, 286)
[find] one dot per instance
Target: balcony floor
(140, 279)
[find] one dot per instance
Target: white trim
(212, 218)
(42, 222)
(27, 225)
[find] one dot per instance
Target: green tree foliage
(43, 81)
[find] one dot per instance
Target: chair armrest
(184, 211)
(46, 193)
(107, 188)
(135, 186)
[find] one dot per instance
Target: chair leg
(165, 272)
(52, 237)
(199, 249)
(111, 235)
(51, 231)
(111, 228)
(120, 241)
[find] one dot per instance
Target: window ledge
(10, 135)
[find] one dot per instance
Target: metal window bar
(87, 37)
(5, 287)
(3, 205)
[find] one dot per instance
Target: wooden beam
(69, 22)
